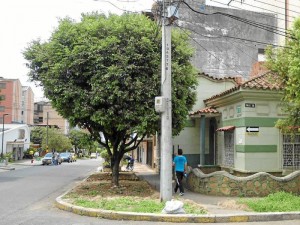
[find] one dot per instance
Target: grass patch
(277, 202)
(131, 204)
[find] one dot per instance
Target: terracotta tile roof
(235, 79)
(265, 81)
(227, 128)
(205, 111)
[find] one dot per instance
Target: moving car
(47, 160)
(66, 157)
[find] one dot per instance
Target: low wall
(261, 184)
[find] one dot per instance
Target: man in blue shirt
(180, 164)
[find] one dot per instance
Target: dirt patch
(99, 184)
(233, 204)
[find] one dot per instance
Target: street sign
(250, 105)
(252, 129)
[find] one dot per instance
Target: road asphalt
(220, 209)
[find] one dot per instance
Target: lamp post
(3, 133)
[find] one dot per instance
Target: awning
(227, 128)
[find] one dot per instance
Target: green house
(233, 127)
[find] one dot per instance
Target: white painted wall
(12, 138)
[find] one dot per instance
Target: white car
(93, 155)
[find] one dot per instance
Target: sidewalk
(23, 162)
(211, 203)
(216, 214)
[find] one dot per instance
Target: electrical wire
(237, 38)
(266, 9)
(276, 6)
(252, 23)
(298, 6)
(233, 69)
(117, 7)
(240, 49)
(263, 14)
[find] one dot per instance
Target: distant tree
(82, 140)
(37, 134)
(56, 139)
(286, 62)
(103, 74)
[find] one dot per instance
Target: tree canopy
(103, 74)
(286, 62)
(82, 140)
(56, 139)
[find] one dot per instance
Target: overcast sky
(22, 21)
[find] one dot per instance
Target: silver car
(47, 160)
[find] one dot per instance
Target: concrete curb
(176, 218)
(7, 168)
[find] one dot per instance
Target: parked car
(47, 159)
(93, 155)
(66, 157)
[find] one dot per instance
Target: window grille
(291, 151)
(229, 149)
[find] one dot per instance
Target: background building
(285, 12)
(45, 114)
(227, 41)
(17, 101)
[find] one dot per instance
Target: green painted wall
(256, 148)
(251, 121)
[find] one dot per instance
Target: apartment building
(17, 102)
(16, 112)
(45, 114)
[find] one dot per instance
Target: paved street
(27, 196)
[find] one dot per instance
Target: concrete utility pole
(166, 112)
(47, 132)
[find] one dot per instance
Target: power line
(277, 6)
(238, 48)
(263, 14)
(237, 38)
(208, 51)
(117, 7)
(298, 6)
(266, 9)
(252, 23)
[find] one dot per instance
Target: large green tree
(103, 74)
(286, 62)
(56, 139)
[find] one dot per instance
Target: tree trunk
(115, 173)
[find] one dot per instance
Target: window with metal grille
(291, 151)
(228, 159)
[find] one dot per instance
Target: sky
(22, 21)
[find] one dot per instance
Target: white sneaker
(181, 193)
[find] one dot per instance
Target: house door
(291, 152)
(149, 153)
(211, 158)
(228, 159)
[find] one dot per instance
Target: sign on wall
(250, 105)
(252, 129)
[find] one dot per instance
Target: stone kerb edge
(178, 218)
